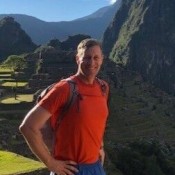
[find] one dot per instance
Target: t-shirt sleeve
(56, 98)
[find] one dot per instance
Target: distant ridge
(41, 32)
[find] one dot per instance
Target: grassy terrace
(13, 84)
(5, 75)
(6, 79)
(5, 70)
(18, 164)
(20, 98)
(11, 163)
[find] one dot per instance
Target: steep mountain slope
(140, 110)
(13, 40)
(139, 113)
(41, 31)
(141, 38)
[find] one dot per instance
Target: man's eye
(93, 58)
(96, 58)
(87, 58)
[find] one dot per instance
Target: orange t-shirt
(81, 131)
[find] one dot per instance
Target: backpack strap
(73, 93)
(51, 139)
(103, 86)
(44, 92)
(105, 89)
(71, 99)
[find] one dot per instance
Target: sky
(53, 10)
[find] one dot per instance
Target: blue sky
(53, 10)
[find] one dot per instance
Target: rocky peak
(142, 38)
(13, 40)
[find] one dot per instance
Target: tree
(15, 62)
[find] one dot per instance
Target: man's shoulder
(104, 86)
(102, 82)
(63, 83)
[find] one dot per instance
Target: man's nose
(91, 61)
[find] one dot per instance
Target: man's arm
(31, 129)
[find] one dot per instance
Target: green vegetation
(6, 75)
(144, 157)
(139, 111)
(15, 62)
(13, 84)
(5, 70)
(140, 131)
(19, 98)
(6, 79)
(135, 41)
(120, 54)
(11, 164)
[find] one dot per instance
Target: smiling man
(78, 147)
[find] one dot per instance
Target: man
(79, 139)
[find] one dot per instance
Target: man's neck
(86, 79)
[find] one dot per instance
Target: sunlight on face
(89, 61)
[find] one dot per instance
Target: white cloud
(112, 1)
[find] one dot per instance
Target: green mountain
(13, 40)
(142, 38)
(140, 131)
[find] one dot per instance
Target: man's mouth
(91, 68)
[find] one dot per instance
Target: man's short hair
(86, 44)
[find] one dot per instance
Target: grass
(13, 84)
(3, 69)
(6, 79)
(13, 164)
(20, 98)
(5, 74)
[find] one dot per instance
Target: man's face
(89, 61)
